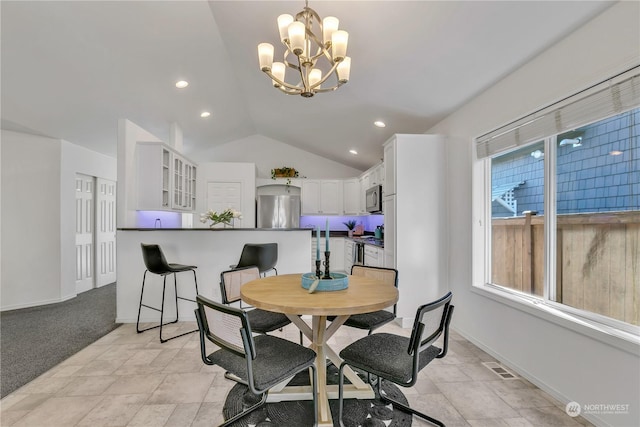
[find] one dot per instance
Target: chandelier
(314, 59)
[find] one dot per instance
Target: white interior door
(105, 232)
(224, 195)
(84, 233)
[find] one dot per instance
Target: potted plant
(225, 217)
(284, 172)
(351, 224)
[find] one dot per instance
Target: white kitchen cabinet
(321, 197)
(376, 175)
(390, 167)
(184, 181)
(165, 180)
(336, 258)
(389, 203)
(373, 256)
(364, 186)
(351, 196)
(415, 240)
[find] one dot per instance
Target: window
(564, 204)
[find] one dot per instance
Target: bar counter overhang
(211, 250)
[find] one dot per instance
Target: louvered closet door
(84, 233)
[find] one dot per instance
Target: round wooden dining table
(285, 294)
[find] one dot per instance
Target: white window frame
(611, 331)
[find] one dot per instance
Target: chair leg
(405, 408)
(175, 285)
(161, 309)
(246, 411)
(340, 393)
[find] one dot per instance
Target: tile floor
(130, 379)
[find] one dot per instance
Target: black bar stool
(262, 255)
(156, 263)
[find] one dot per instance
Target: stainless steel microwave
(374, 199)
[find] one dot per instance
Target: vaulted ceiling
(71, 69)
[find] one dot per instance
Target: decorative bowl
(338, 282)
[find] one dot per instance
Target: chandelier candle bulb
(339, 40)
(284, 21)
(277, 69)
(344, 69)
(296, 37)
(265, 56)
(329, 25)
(314, 77)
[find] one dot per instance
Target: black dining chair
(262, 255)
(156, 263)
(262, 321)
(260, 362)
(375, 319)
(398, 359)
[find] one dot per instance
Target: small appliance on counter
(379, 232)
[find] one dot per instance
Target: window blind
(613, 96)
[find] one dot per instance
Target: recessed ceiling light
(379, 123)
(205, 114)
(615, 152)
(353, 151)
(182, 84)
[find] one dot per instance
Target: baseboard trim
(37, 303)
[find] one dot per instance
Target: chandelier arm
(282, 83)
(327, 75)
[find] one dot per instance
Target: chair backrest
(232, 280)
(154, 259)
(387, 275)
(262, 255)
(432, 320)
(227, 327)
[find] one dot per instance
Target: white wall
(38, 216)
(268, 154)
(30, 219)
(557, 357)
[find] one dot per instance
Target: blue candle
(318, 243)
(326, 236)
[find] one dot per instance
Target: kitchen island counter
(212, 253)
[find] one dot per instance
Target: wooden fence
(597, 260)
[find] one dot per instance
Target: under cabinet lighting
(615, 152)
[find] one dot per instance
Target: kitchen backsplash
(370, 222)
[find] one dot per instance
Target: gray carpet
(34, 340)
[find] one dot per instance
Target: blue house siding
(589, 178)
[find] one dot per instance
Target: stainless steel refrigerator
(281, 211)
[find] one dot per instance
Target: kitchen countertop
(368, 240)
